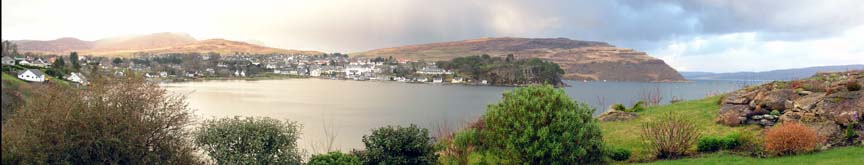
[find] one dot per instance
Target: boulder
(737, 98)
(615, 115)
(806, 103)
(776, 99)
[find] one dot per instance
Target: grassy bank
(626, 134)
(845, 155)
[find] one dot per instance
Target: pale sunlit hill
(157, 43)
(581, 60)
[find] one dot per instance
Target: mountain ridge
(779, 74)
(581, 60)
(156, 43)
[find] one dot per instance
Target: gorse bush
(619, 154)
(542, 125)
(790, 138)
(249, 140)
(123, 120)
(335, 158)
(399, 145)
(670, 136)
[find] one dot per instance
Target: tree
(123, 120)
(59, 63)
(117, 61)
(9, 49)
(73, 57)
(249, 140)
(399, 145)
(542, 125)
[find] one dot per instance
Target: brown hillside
(158, 43)
(581, 60)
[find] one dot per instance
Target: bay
(350, 109)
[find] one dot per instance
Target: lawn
(845, 155)
(626, 134)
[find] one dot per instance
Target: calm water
(353, 108)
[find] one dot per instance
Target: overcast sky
(697, 35)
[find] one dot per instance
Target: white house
(32, 75)
(8, 61)
(77, 77)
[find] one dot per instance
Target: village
(197, 67)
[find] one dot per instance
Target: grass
(845, 155)
(10, 81)
(627, 134)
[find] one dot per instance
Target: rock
(790, 117)
(615, 115)
(769, 117)
(733, 107)
(776, 99)
(756, 117)
(766, 122)
(739, 98)
(804, 93)
(806, 103)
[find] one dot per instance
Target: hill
(581, 60)
(784, 74)
(157, 43)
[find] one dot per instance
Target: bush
(460, 146)
(638, 107)
(711, 144)
(334, 157)
(619, 154)
(249, 140)
(670, 136)
(113, 121)
(542, 125)
(853, 86)
(399, 145)
(619, 107)
(775, 113)
(790, 138)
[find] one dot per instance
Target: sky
(694, 35)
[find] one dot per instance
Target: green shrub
(249, 140)
(713, 143)
(709, 144)
(638, 107)
(334, 157)
(619, 154)
(850, 131)
(853, 86)
(775, 113)
(399, 145)
(486, 157)
(619, 107)
(542, 125)
(457, 148)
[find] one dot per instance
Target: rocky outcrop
(829, 103)
(616, 115)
